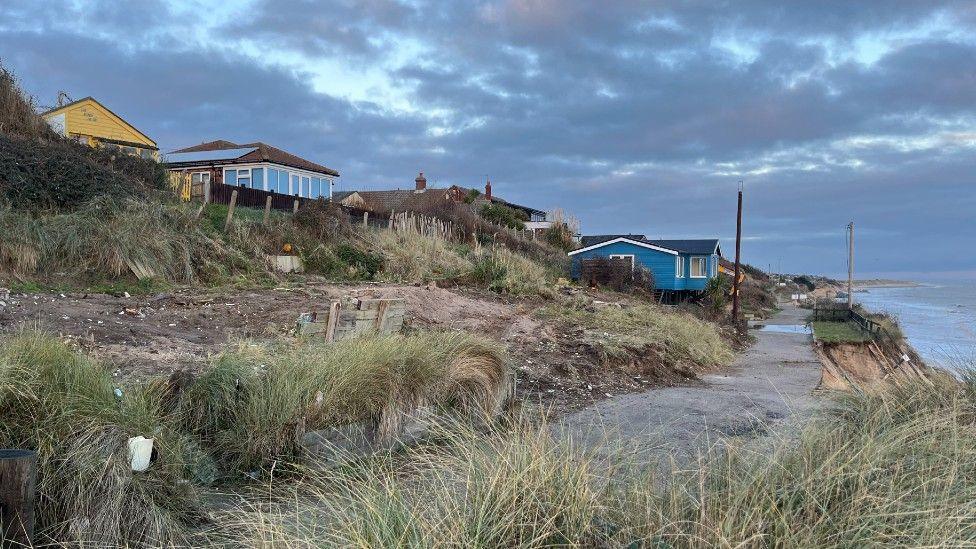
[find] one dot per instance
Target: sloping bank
(856, 358)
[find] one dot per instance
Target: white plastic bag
(140, 453)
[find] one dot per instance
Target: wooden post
(850, 266)
(206, 198)
(738, 243)
(365, 219)
(267, 210)
(18, 482)
(230, 210)
(294, 208)
(330, 326)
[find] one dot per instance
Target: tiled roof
(401, 200)
(262, 153)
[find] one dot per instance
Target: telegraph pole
(738, 243)
(850, 265)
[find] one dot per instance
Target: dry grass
(618, 330)
(894, 469)
(256, 403)
(62, 404)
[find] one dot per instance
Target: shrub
(366, 263)
(504, 216)
(18, 113)
(619, 274)
(805, 282)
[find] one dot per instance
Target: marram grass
(893, 469)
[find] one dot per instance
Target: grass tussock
(893, 469)
(256, 403)
(63, 405)
(618, 330)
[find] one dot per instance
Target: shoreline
(868, 284)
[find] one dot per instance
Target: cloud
(635, 116)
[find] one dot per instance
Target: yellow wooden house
(89, 122)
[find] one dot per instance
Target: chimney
(421, 182)
(488, 190)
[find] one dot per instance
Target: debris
(140, 453)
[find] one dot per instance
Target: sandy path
(768, 385)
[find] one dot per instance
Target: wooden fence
(352, 319)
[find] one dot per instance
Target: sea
(938, 318)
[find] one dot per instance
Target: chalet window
(698, 269)
(295, 185)
(199, 178)
(230, 177)
(679, 266)
(244, 177)
(257, 178)
(305, 187)
(629, 257)
(283, 182)
(316, 187)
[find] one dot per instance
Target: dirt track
(768, 385)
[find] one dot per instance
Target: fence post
(206, 198)
(267, 210)
(230, 210)
(365, 219)
(18, 482)
(294, 208)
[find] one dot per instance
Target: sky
(634, 117)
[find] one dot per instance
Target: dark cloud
(635, 116)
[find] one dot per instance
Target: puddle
(786, 328)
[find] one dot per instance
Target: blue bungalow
(680, 267)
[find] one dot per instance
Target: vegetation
(674, 337)
(805, 282)
(504, 216)
(894, 468)
(839, 332)
(63, 405)
(248, 410)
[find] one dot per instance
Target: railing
(848, 315)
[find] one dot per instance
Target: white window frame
(292, 173)
(633, 259)
(679, 266)
(240, 176)
(704, 265)
(204, 178)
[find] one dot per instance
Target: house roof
(401, 200)
(338, 196)
(590, 240)
(705, 246)
(634, 241)
(262, 152)
(97, 102)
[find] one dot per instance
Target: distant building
(252, 165)
(91, 123)
(422, 198)
(680, 267)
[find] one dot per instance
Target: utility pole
(850, 265)
(738, 243)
